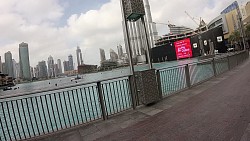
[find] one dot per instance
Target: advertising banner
(183, 49)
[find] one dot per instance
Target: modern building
(79, 56)
(113, 55)
(9, 64)
(102, 55)
(51, 71)
(1, 65)
(56, 70)
(120, 52)
(229, 19)
(16, 69)
(175, 30)
(42, 70)
(66, 66)
(71, 63)
(24, 61)
(137, 34)
(59, 63)
(220, 21)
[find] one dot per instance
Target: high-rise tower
(51, 70)
(9, 64)
(59, 63)
(24, 61)
(102, 55)
(137, 34)
(71, 63)
(120, 51)
(151, 26)
(79, 56)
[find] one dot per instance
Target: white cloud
(35, 22)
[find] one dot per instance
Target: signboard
(183, 49)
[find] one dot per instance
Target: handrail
(59, 88)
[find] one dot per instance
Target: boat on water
(6, 82)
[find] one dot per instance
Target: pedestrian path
(218, 109)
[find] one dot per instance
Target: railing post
(133, 90)
(100, 94)
(187, 74)
(158, 77)
(228, 62)
(214, 67)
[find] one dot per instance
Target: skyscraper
(120, 51)
(102, 55)
(42, 70)
(16, 69)
(1, 65)
(113, 55)
(24, 61)
(9, 64)
(79, 56)
(51, 72)
(59, 63)
(71, 63)
(137, 34)
(66, 66)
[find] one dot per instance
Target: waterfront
(87, 78)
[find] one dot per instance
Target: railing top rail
(204, 61)
(59, 88)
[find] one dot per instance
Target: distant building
(24, 61)
(16, 69)
(113, 55)
(59, 63)
(219, 21)
(42, 70)
(4, 68)
(56, 70)
(1, 65)
(51, 72)
(120, 52)
(175, 30)
(9, 64)
(79, 56)
(83, 69)
(102, 55)
(66, 66)
(71, 63)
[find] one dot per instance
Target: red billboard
(183, 49)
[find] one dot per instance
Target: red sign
(183, 49)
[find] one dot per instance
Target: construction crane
(192, 18)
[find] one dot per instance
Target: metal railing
(179, 78)
(38, 113)
(30, 115)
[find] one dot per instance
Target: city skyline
(61, 29)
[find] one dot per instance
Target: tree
(234, 39)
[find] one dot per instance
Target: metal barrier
(30, 115)
(34, 114)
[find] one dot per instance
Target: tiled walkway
(218, 109)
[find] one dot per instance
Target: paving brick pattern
(217, 110)
(219, 113)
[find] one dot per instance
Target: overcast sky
(56, 27)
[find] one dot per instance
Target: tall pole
(148, 48)
(128, 41)
(133, 81)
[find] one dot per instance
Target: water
(50, 84)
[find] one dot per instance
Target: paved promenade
(217, 110)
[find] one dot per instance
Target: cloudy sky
(56, 27)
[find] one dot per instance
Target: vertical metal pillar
(187, 74)
(148, 47)
(158, 76)
(214, 68)
(100, 94)
(132, 71)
